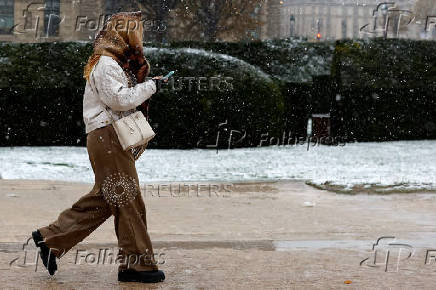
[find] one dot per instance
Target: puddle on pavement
(320, 244)
(417, 240)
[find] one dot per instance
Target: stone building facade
(50, 20)
(79, 20)
(340, 19)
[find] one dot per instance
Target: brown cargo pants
(116, 192)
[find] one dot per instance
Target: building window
(6, 16)
(292, 27)
(52, 17)
(344, 28)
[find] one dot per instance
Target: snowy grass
(402, 166)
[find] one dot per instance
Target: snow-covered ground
(403, 164)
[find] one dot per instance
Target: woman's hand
(160, 78)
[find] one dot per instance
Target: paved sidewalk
(283, 235)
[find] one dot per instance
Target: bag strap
(140, 130)
(127, 124)
(136, 124)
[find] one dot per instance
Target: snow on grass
(401, 165)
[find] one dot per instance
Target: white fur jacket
(113, 98)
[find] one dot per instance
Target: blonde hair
(117, 39)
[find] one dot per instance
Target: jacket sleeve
(113, 90)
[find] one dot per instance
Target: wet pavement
(283, 235)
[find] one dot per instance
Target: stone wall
(78, 18)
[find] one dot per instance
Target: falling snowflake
(119, 189)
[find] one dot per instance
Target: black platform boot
(47, 257)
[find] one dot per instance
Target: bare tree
(157, 14)
(214, 19)
(114, 6)
(209, 20)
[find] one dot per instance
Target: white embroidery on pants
(119, 189)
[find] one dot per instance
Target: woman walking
(115, 87)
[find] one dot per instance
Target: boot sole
(135, 278)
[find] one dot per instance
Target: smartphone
(168, 75)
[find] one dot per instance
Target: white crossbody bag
(132, 130)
